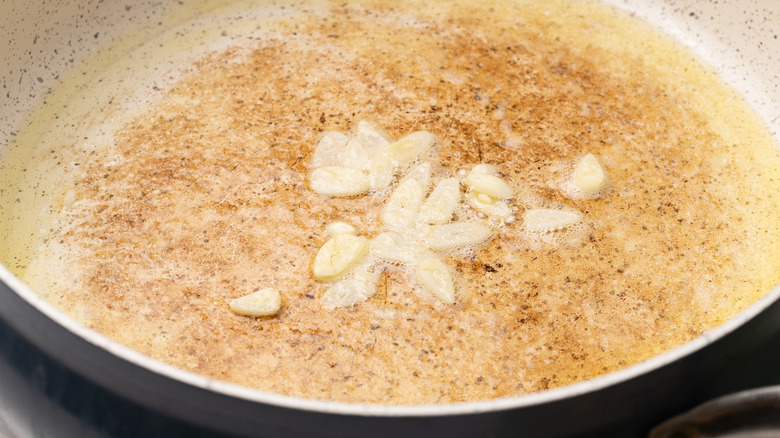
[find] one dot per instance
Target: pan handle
(750, 414)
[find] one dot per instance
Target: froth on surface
(201, 197)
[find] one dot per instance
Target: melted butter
(189, 191)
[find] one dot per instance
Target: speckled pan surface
(45, 40)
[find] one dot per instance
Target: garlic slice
(335, 228)
(401, 208)
(487, 192)
(456, 235)
(329, 149)
(435, 277)
(393, 248)
(405, 150)
(264, 302)
(484, 169)
(491, 207)
(338, 254)
(421, 173)
(490, 185)
(380, 171)
(589, 176)
(441, 203)
(360, 286)
(354, 156)
(370, 136)
(339, 181)
(548, 219)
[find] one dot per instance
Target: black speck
(310, 296)
(489, 268)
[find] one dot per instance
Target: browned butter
(189, 191)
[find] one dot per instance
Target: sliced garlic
(264, 302)
(405, 150)
(380, 168)
(338, 254)
(441, 203)
(435, 277)
(589, 176)
(360, 286)
(485, 169)
(335, 228)
(421, 173)
(339, 181)
(490, 185)
(370, 136)
(548, 219)
(394, 248)
(417, 232)
(456, 235)
(329, 149)
(489, 206)
(354, 155)
(401, 208)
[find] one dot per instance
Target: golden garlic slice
(264, 302)
(338, 254)
(548, 219)
(434, 276)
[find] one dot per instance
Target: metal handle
(748, 414)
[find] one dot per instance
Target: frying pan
(59, 379)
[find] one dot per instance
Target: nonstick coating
(58, 379)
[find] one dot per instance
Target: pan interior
(187, 188)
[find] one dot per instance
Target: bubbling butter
(192, 185)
